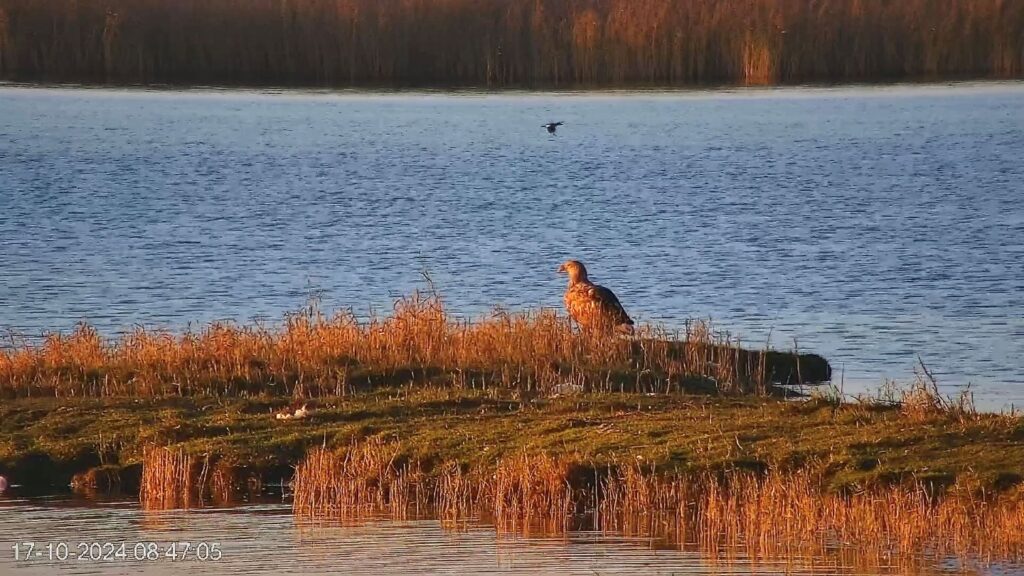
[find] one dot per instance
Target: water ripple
(862, 223)
(262, 539)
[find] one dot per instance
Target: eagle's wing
(610, 306)
(595, 306)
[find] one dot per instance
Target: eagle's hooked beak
(561, 269)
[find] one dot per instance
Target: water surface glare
(262, 539)
(871, 225)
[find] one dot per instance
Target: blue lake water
(869, 224)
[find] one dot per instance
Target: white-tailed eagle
(593, 307)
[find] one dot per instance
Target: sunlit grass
(315, 355)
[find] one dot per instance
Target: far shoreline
(696, 91)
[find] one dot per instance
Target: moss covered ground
(45, 441)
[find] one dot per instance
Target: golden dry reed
(315, 355)
(362, 480)
(522, 493)
(529, 492)
(455, 493)
(507, 42)
(172, 479)
(773, 516)
(791, 515)
(169, 479)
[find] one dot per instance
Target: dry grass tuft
(172, 479)
(922, 401)
(531, 491)
(456, 494)
(359, 481)
(168, 479)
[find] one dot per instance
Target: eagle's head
(575, 269)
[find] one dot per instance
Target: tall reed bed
(369, 478)
(775, 515)
(508, 42)
(315, 355)
(791, 515)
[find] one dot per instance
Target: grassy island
(859, 445)
(515, 412)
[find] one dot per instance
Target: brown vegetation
(886, 482)
(790, 515)
(360, 481)
(172, 478)
(769, 515)
(369, 478)
(168, 479)
(313, 355)
(507, 42)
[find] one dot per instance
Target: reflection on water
(869, 224)
(266, 538)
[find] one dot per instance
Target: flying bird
(552, 126)
(593, 307)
